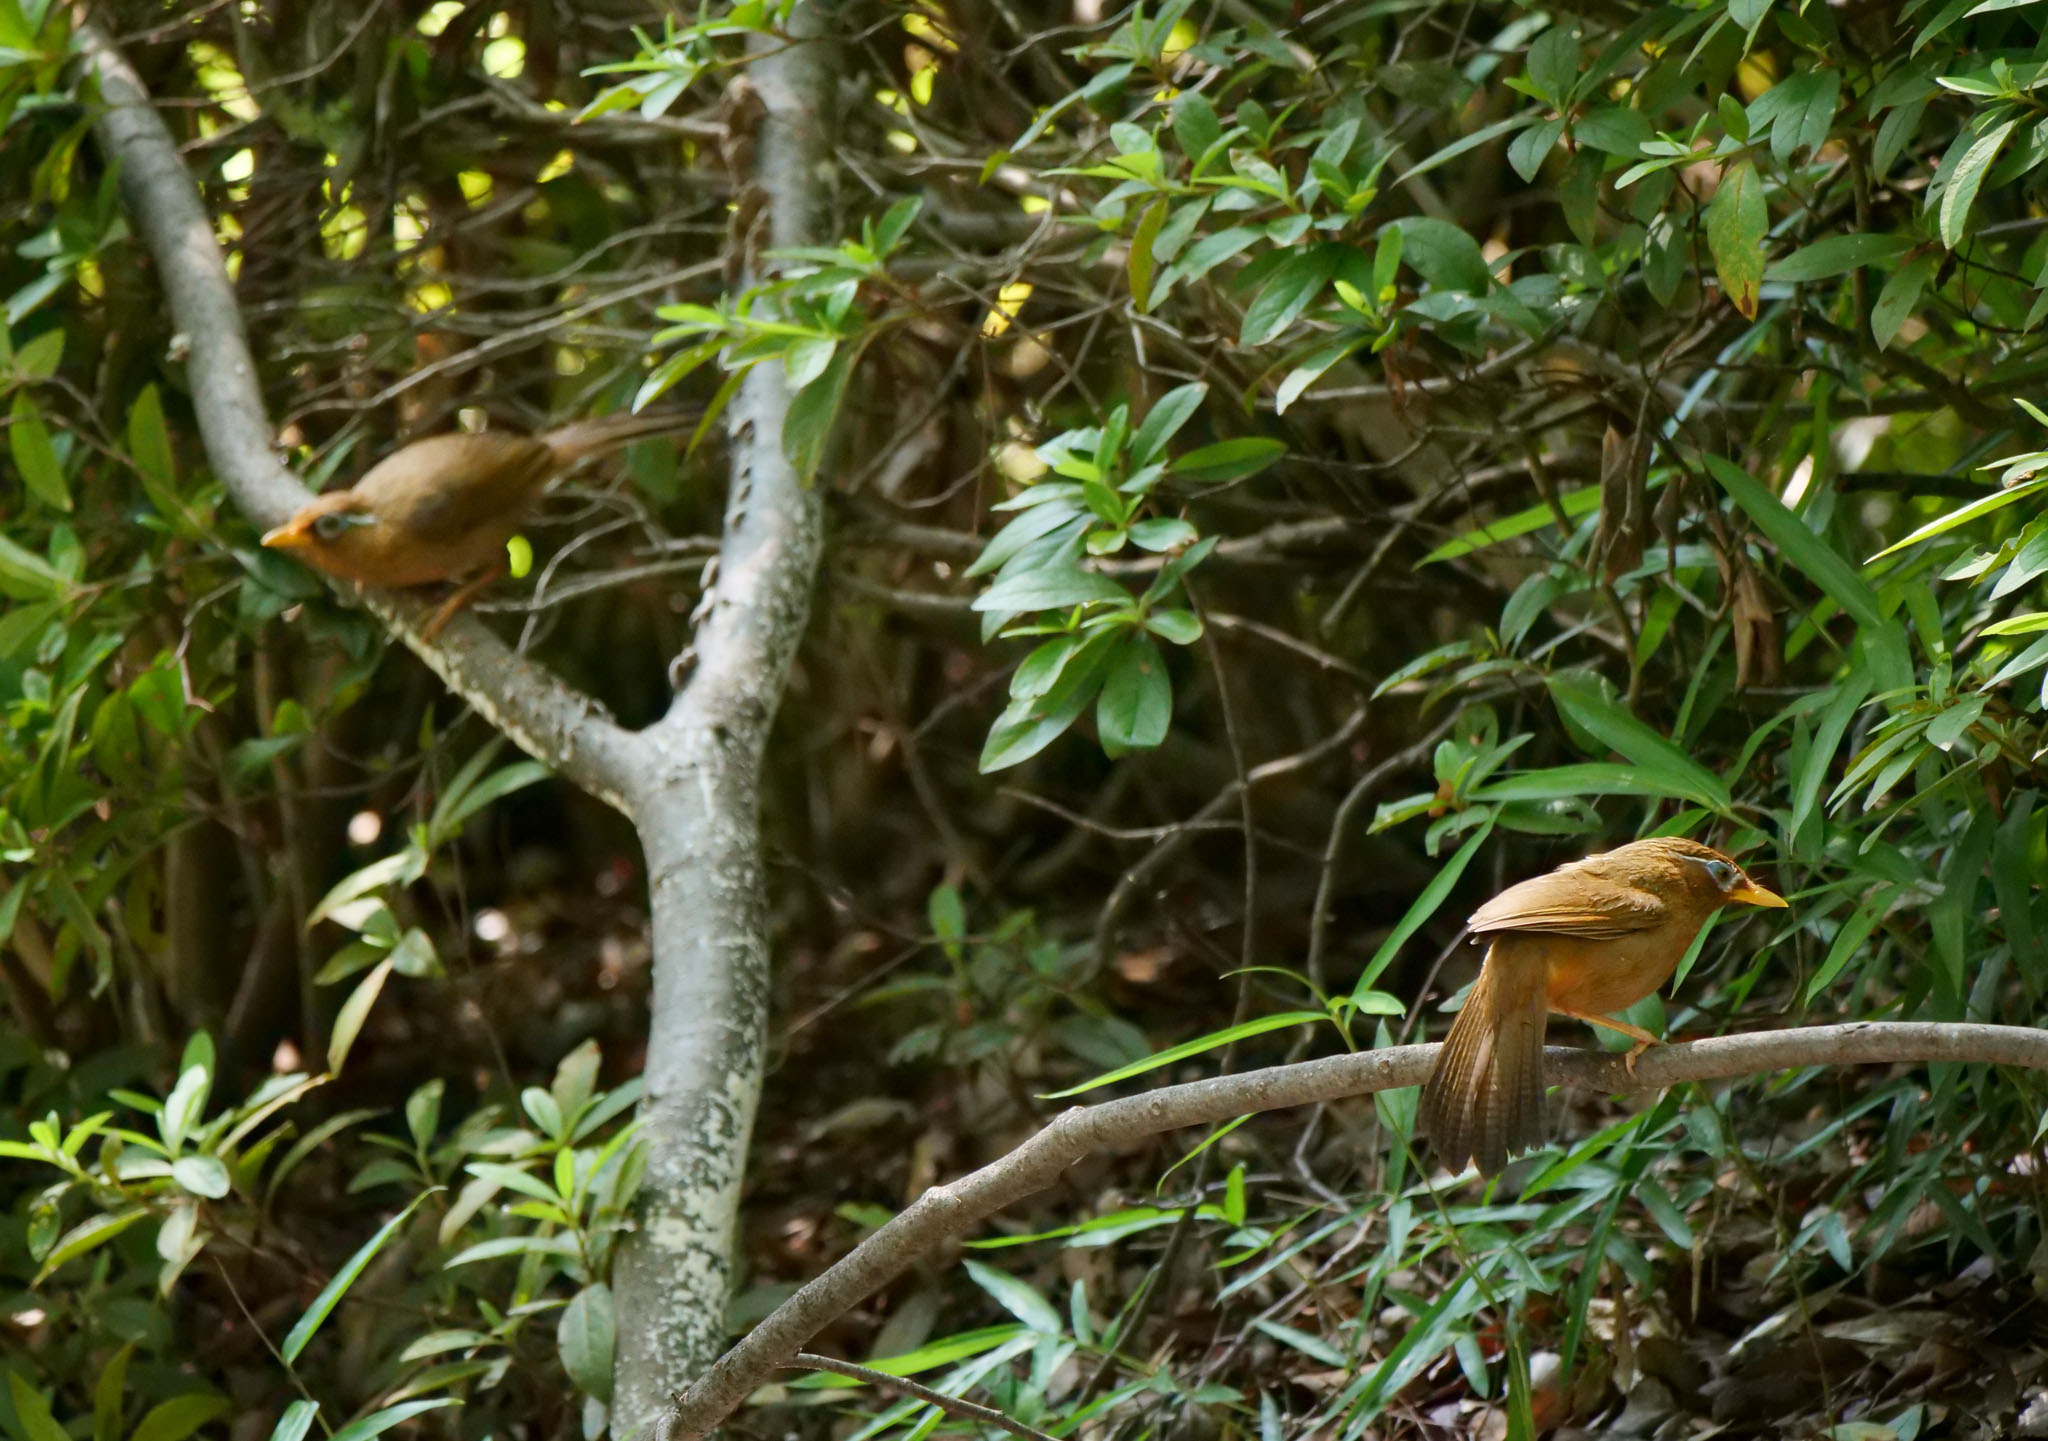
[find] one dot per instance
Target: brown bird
(1592, 937)
(443, 508)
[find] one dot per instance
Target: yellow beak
(1755, 895)
(289, 536)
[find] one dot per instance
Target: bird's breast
(1611, 975)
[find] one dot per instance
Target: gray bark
(691, 783)
(701, 825)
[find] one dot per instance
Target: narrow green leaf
(1901, 294)
(1961, 193)
(1142, 260)
(1964, 514)
(1583, 702)
(348, 1022)
(88, 1235)
(1836, 255)
(1215, 1040)
(296, 1421)
(378, 1422)
(179, 1417)
(1018, 1298)
(1808, 553)
(330, 1295)
(35, 456)
(1230, 459)
(1421, 909)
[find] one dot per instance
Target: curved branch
(952, 1209)
(551, 720)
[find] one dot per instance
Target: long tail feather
(1484, 1100)
(584, 438)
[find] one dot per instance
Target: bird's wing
(1574, 900)
(478, 481)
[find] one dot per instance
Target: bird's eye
(330, 527)
(1722, 872)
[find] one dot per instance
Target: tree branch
(699, 814)
(551, 720)
(952, 1209)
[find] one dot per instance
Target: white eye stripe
(1723, 873)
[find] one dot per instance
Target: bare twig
(952, 1209)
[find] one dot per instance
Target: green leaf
(378, 1422)
(1581, 699)
(34, 455)
(1313, 365)
(89, 1234)
(1017, 1297)
(1137, 698)
(808, 426)
(1230, 459)
(1736, 222)
(1528, 150)
(1215, 1040)
(1032, 722)
(202, 1175)
(1553, 68)
(1313, 1347)
(1164, 421)
(1290, 288)
(296, 1421)
(1964, 514)
(149, 440)
(1900, 295)
(586, 1338)
(1961, 192)
(1443, 254)
(27, 576)
(108, 1393)
(348, 1022)
(401, 869)
(1554, 783)
(1420, 910)
(32, 1410)
(2019, 624)
(1808, 553)
(1195, 124)
(1836, 255)
(330, 1295)
(459, 804)
(1162, 534)
(1052, 588)
(1181, 627)
(1574, 503)
(1142, 260)
(179, 1417)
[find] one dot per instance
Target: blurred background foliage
(1380, 450)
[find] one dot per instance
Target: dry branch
(950, 1210)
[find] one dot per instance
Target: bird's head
(1720, 875)
(320, 533)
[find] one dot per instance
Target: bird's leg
(457, 601)
(1643, 1039)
